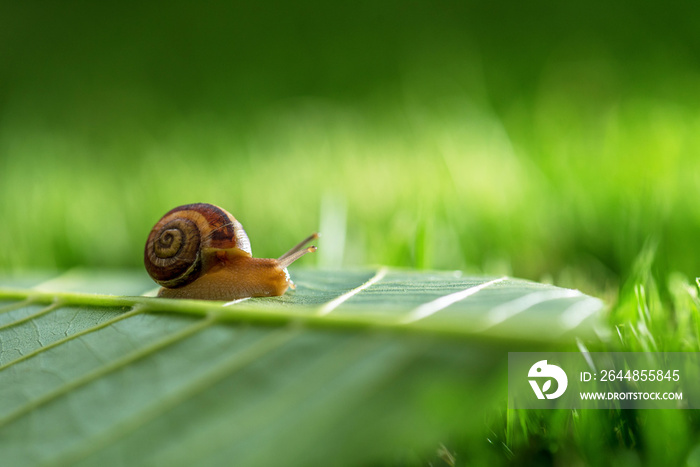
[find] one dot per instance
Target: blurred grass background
(555, 142)
(539, 140)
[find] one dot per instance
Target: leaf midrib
(247, 311)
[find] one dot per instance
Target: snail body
(200, 251)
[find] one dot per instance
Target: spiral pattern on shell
(173, 254)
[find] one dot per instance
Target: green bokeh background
(548, 141)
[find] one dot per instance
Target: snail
(201, 251)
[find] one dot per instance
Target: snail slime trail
(200, 251)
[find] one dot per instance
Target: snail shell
(173, 255)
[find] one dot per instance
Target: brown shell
(173, 254)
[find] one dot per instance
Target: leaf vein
(42, 312)
(509, 309)
(430, 308)
(109, 368)
(17, 305)
(336, 302)
(134, 311)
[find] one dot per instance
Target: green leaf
(351, 367)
